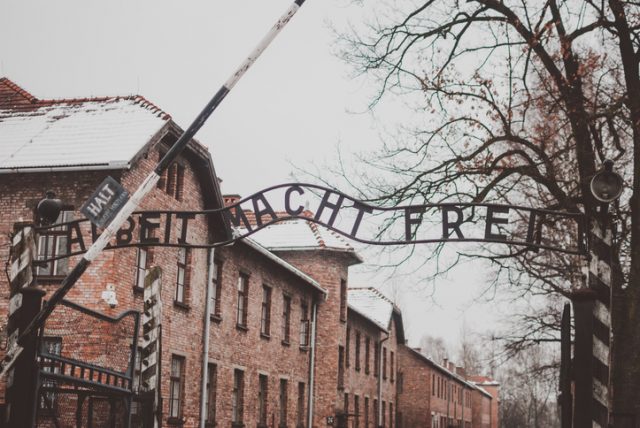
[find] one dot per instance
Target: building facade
(265, 332)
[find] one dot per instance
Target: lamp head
(49, 208)
(606, 185)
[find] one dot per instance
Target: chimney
(231, 199)
(445, 362)
(460, 371)
(452, 367)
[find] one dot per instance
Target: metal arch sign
(514, 225)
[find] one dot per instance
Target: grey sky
(290, 107)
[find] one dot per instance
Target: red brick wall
(182, 326)
(234, 348)
(414, 402)
(358, 382)
(328, 268)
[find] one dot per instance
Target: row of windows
(445, 390)
(367, 357)
(242, 308)
(355, 412)
(262, 410)
(444, 422)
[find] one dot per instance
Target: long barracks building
(265, 332)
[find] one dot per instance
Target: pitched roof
(93, 133)
(371, 304)
(446, 371)
(294, 270)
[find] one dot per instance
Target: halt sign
(105, 202)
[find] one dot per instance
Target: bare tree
(434, 348)
(522, 101)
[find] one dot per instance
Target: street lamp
(49, 208)
(606, 185)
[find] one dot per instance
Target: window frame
(58, 237)
(263, 399)
(179, 380)
(286, 319)
(243, 300)
(182, 266)
(46, 345)
(304, 324)
(211, 394)
(237, 398)
(284, 399)
(265, 311)
(216, 290)
(357, 351)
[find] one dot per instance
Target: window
(212, 383)
(175, 387)
(376, 358)
(286, 318)
(391, 366)
(384, 362)
(366, 412)
(51, 346)
(284, 386)
(383, 411)
(390, 415)
(304, 324)
(263, 397)
(376, 413)
(433, 384)
(216, 288)
(356, 411)
(400, 382)
(141, 267)
(300, 409)
(343, 300)
(340, 367)
(357, 351)
(367, 345)
(346, 404)
(348, 348)
(182, 277)
(172, 180)
(265, 315)
(237, 397)
(243, 300)
(53, 243)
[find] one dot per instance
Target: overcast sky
(294, 106)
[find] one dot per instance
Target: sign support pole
(146, 186)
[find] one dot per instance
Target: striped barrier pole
(151, 339)
(600, 250)
(147, 185)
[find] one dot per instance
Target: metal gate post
(21, 386)
(583, 304)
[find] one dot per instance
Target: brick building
(263, 332)
(368, 368)
(69, 147)
(442, 396)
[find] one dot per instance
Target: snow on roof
(56, 134)
(372, 304)
(259, 248)
(298, 234)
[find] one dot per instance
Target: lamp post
(592, 307)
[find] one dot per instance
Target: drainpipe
(312, 365)
(205, 335)
(380, 380)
